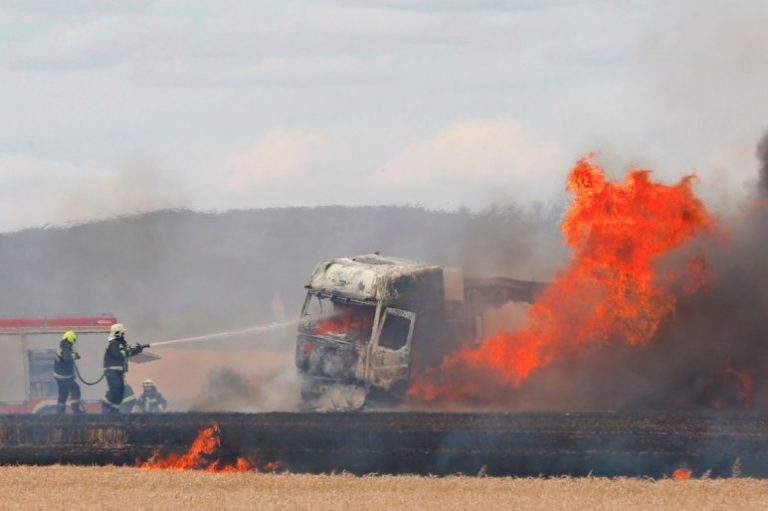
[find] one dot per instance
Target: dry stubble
(123, 488)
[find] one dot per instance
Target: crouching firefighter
(116, 365)
(64, 374)
(151, 400)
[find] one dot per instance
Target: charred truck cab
(368, 322)
(361, 319)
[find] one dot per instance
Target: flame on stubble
(197, 456)
(682, 473)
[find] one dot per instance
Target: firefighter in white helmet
(151, 400)
(116, 365)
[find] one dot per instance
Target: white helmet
(148, 382)
(117, 330)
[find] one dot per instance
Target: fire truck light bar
(55, 324)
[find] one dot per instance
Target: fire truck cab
(29, 348)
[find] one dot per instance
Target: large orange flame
(198, 456)
(608, 291)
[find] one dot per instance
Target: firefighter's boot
(77, 408)
(61, 409)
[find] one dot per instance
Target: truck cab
(368, 322)
(360, 320)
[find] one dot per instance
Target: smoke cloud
(276, 389)
(709, 354)
(762, 155)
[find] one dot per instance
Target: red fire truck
(28, 350)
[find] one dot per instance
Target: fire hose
(103, 373)
(79, 377)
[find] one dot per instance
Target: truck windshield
(351, 322)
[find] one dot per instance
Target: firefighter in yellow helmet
(64, 374)
(116, 365)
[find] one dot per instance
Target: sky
(113, 107)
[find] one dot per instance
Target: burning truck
(368, 322)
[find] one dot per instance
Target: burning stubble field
(609, 444)
(59, 487)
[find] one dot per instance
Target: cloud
(463, 5)
(99, 42)
(480, 151)
(74, 7)
(368, 21)
(17, 171)
(308, 66)
(36, 192)
(676, 89)
(279, 156)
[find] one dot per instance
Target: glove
(76, 355)
(140, 347)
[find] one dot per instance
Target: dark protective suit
(64, 374)
(151, 401)
(115, 366)
(129, 400)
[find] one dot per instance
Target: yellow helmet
(70, 336)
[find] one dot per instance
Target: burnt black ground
(520, 444)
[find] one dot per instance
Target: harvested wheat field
(59, 487)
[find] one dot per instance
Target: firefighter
(151, 400)
(64, 374)
(115, 366)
